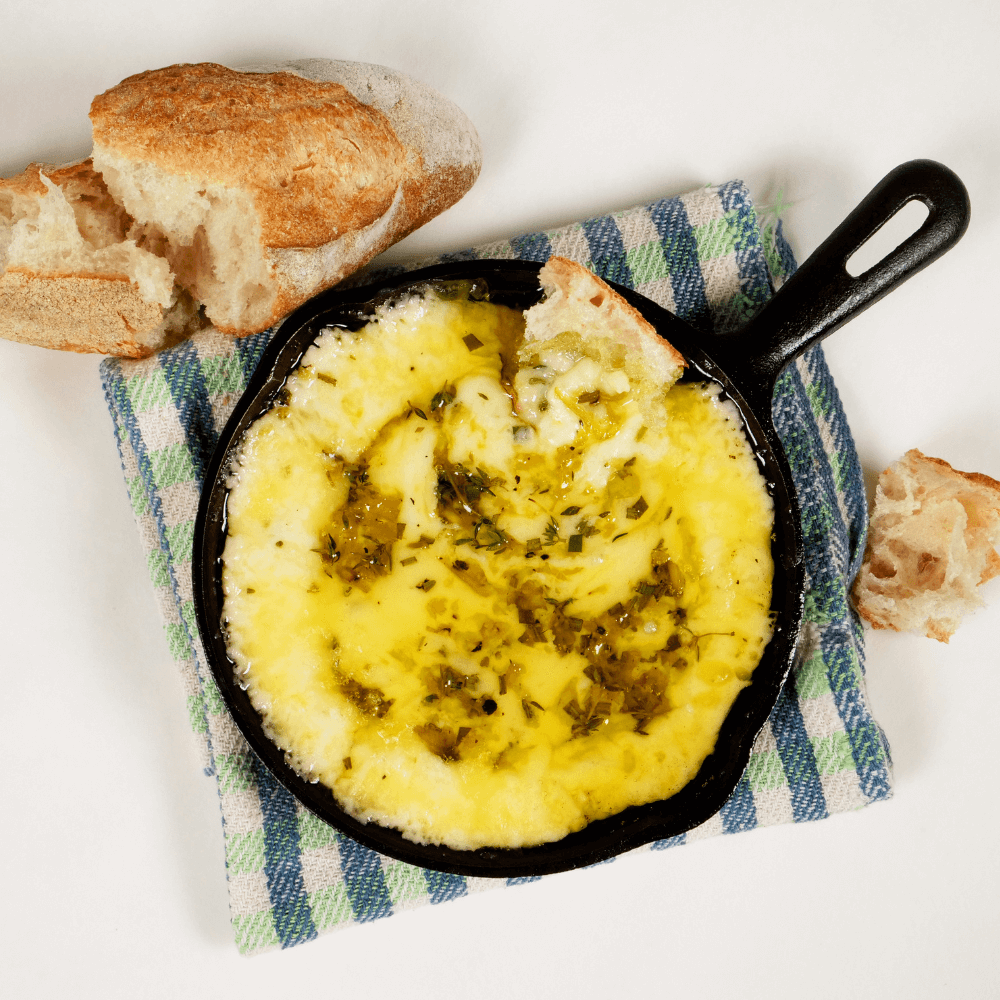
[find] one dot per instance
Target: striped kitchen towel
(707, 256)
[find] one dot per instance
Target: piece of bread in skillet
(265, 186)
(931, 543)
(70, 278)
(581, 315)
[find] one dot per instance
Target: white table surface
(113, 880)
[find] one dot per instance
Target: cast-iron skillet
(818, 299)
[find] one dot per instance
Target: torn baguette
(264, 188)
(931, 544)
(236, 194)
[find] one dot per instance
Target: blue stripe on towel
(797, 758)
(283, 860)
(607, 250)
(364, 879)
(182, 372)
(441, 886)
(680, 250)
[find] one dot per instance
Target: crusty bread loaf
(930, 545)
(70, 277)
(232, 194)
(263, 188)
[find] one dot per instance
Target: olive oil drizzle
(358, 546)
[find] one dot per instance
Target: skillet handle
(821, 296)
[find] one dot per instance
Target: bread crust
(86, 313)
(341, 161)
(298, 147)
(94, 311)
(573, 291)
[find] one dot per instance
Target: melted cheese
(487, 624)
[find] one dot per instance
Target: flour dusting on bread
(931, 544)
(223, 196)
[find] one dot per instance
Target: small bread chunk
(931, 543)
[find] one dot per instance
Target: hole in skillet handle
(895, 231)
(512, 283)
(822, 295)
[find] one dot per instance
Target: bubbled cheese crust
(477, 623)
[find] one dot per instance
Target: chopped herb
(442, 742)
(443, 398)
(362, 532)
(408, 561)
(532, 634)
(641, 432)
(637, 509)
(622, 535)
(533, 544)
(400, 529)
(368, 700)
(413, 409)
(278, 544)
(589, 397)
(451, 680)
(493, 537)
(460, 488)
(472, 342)
(330, 380)
(551, 532)
(421, 543)
(473, 575)
(347, 764)
(570, 511)
(575, 543)
(482, 395)
(427, 585)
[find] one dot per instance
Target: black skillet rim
(512, 282)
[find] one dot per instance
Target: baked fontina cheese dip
(489, 587)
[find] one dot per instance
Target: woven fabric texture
(705, 256)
